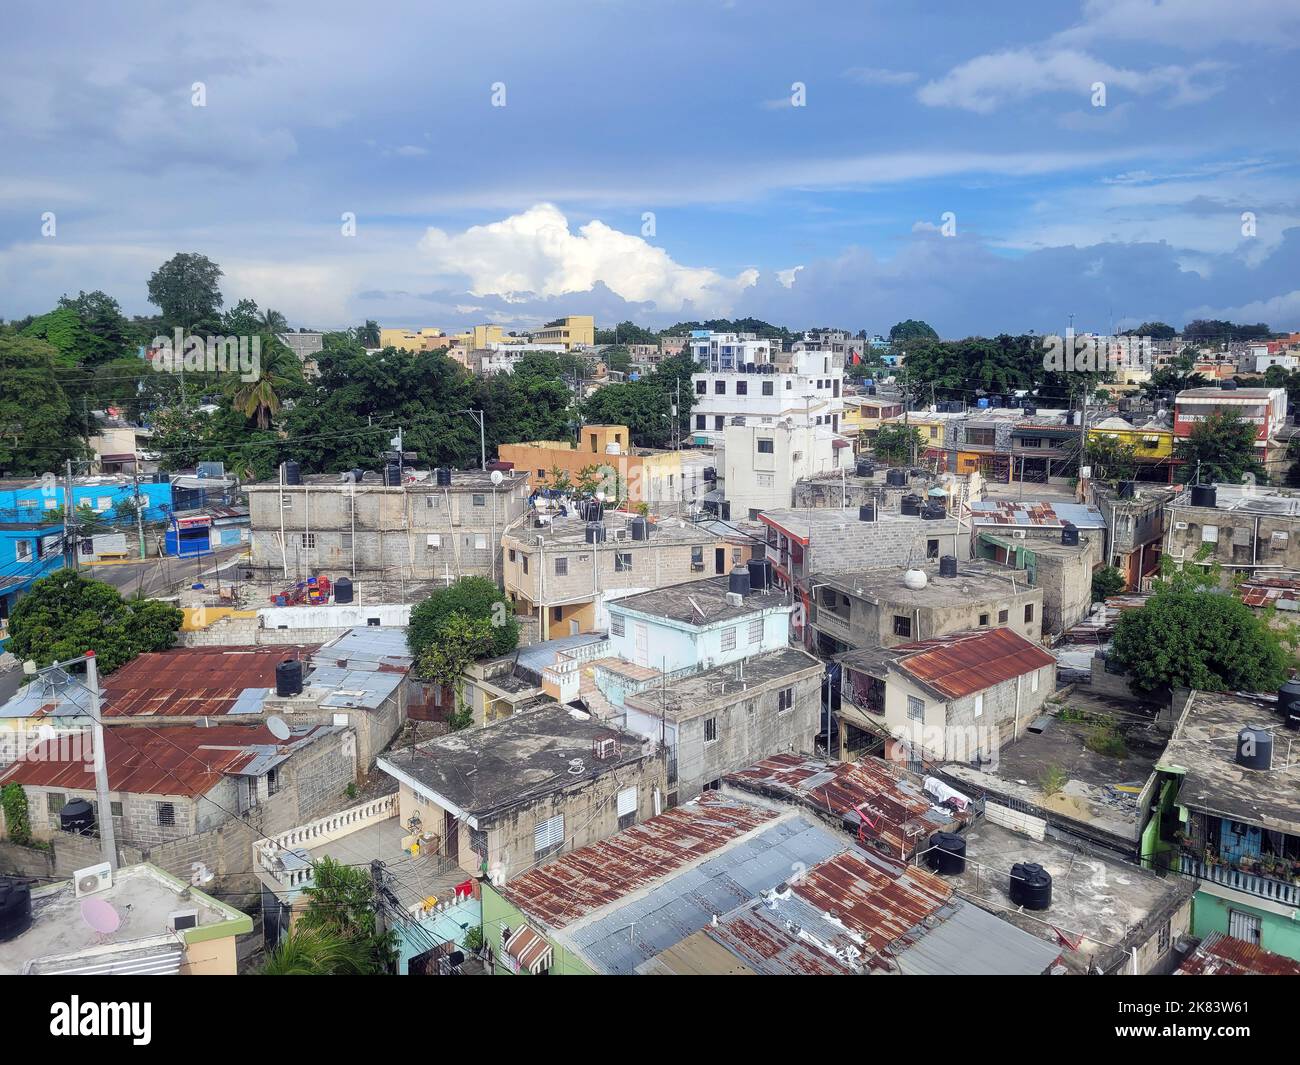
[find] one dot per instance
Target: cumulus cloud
(536, 253)
(1192, 24)
(987, 82)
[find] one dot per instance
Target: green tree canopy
(472, 598)
(38, 428)
(896, 442)
(65, 615)
(1111, 460)
(912, 329)
(1221, 448)
(185, 289)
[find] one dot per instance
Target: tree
(459, 641)
(63, 331)
(315, 952)
(279, 371)
(1154, 330)
(1111, 460)
(185, 289)
(898, 443)
(1193, 636)
(368, 334)
(912, 329)
(340, 905)
(473, 598)
(65, 615)
(1220, 449)
(38, 430)
(108, 332)
(1106, 582)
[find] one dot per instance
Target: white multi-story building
(728, 351)
(761, 464)
(809, 392)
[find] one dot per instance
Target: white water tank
(915, 579)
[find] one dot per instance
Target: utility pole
(482, 438)
(139, 508)
(70, 520)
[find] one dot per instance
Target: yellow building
(1152, 444)
(571, 331)
(414, 339)
(637, 475)
(864, 415)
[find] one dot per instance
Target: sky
(987, 167)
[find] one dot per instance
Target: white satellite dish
(277, 728)
(498, 476)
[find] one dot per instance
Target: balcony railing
(1282, 892)
(270, 853)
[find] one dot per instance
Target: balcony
(286, 858)
(1283, 892)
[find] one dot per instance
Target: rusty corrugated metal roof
(883, 803)
(175, 760)
(1222, 955)
(585, 880)
(193, 681)
(963, 663)
(1041, 515)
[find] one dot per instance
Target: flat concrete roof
(1100, 899)
(572, 532)
(679, 602)
(1204, 746)
(977, 579)
(700, 692)
(823, 521)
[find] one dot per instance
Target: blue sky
(824, 213)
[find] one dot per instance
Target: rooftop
(143, 897)
(697, 692)
(1223, 955)
(177, 760)
(1204, 747)
(976, 579)
(571, 531)
(412, 480)
(884, 805)
(1098, 904)
(1211, 393)
(1041, 515)
(699, 603)
(485, 770)
(1278, 502)
(835, 521)
(958, 664)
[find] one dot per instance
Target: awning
(146, 961)
(529, 949)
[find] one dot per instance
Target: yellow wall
(575, 329)
(413, 339)
(1137, 439)
(646, 477)
(213, 957)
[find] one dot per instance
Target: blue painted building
(28, 551)
(27, 501)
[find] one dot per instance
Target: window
(764, 480)
(710, 730)
(248, 792)
(720, 422)
(430, 502)
(627, 803)
(480, 541)
(701, 421)
(1002, 617)
(932, 549)
(561, 567)
(902, 625)
(1244, 926)
(697, 559)
(984, 620)
(701, 387)
(767, 388)
(541, 475)
(512, 554)
(272, 782)
(756, 631)
(622, 561)
(729, 639)
(788, 385)
(719, 388)
(784, 700)
(915, 709)
(979, 705)
(548, 836)
(478, 842)
(1029, 612)
(525, 559)
(934, 432)
(115, 808)
(557, 613)
(308, 541)
(1033, 681)
(166, 814)
(1209, 534)
(617, 625)
(23, 550)
(742, 388)
(54, 802)
(479, 500)
(433, 541)
(345, 541)
(766, 446)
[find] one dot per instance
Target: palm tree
(317, 952)
(274, 322)
(261, 398)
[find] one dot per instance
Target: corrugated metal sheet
(968, 941)
(1041, 515)
(175, 760)
(194, 681)
(884, 804)
(758, 936)
(1222, 955)
(969, 662)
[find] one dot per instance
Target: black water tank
(896, 478)
(442, 476)
(1030, 886)
(1229, 386)
(1255, 748)
(934, 511)
(343, 590)
(910, 504)
(759, 580)
(1126, 489)
(15, 909)
(710, 473)
(640, 528)
(864, 468)
(292, 472)
(871, 390)
(1070, 534)
(393, 475)
(1288, 702)
(738, 582)
(595, 532)
(358, 475)
(1204, 495)
(77, 816)
(867, 512)
(947, 855)
(288, 677)
(948, 566)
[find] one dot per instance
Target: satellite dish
(99, 915)
(277, 728)
(46, 733)
(497, 477)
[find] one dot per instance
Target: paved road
(161, 576)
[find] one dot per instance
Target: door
(1243, 926)
(642, 644)
(451, 834)
(720, 560)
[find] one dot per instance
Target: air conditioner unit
(92, 879)
(1018, 534)
(1180, 525)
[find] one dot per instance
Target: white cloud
(786, 277)
(880, 76)
(1192, 24)
(987, 82)
(534, 253)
